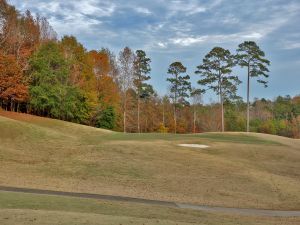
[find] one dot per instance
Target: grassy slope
(26, 209)
(238, 170)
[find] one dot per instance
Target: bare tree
(196, 97)
(125, 78)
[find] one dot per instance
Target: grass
(19, 208)
(238, 170)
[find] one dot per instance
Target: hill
(237, 170)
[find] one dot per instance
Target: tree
(80, 66)
(50, 93)
(179, 87)
(249, 55)
(216, 74)
(125, 78)
(13, 85)
(141, 71)
(196, 101)
(113, 64)
(101, 67)
(107, 118)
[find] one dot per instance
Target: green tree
(50, 93)
(216, 75)
(283, 108)
(249, 55)
(107, 118)
(179, 87)
(141, 70)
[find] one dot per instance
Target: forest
(59, 78)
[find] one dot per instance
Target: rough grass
(27, 209)
(238, 170)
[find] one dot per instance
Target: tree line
(58, 78)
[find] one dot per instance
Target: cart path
(240, 211)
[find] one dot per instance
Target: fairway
(24, 209)
(237, 170)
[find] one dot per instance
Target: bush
(162, 129)
(106, 119)
(267, 127)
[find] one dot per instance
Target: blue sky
(174, 30)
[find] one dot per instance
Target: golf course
(235, 170)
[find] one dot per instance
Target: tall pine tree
(179, 87)
(249, 55)
(141, 70)
(216, 75)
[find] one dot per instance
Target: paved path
(240, 211)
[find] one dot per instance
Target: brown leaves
(12, 83)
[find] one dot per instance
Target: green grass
(19, 208)
(238, 170)
(216, 137)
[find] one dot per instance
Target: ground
(24, 209)
(237, 170)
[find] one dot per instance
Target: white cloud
(219, 38)
(162, 45)
(230, 20)
(289, 45)
(187, 41)
(188, 7)
(73, 17)
(143, 10)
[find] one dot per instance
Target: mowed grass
(238, 170)
(30, 209)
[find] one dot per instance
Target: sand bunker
(193, 146)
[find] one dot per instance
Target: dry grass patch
(238, 170)
(30, 209)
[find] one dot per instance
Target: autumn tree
(13, 85)
(125, 78)
(140, 75)
(47, 33)
(249, 55)
(179, 87)
(216, 75)
(80, 68)
(20, 33)
(107, 89)
(113, 64)
(101, 66)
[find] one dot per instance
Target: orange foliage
(100, 62)
(12, 85)
(108, 91)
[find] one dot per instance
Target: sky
(185, 30)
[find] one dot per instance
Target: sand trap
(193, 146)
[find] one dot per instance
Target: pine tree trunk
(164, 115)
(221, 102)
(175, 103)
(194, 121)
(124, 113)
(138, 116)
(248, 101)
(222, 110)
(175, 119)
(124, 121)
(223, 126)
